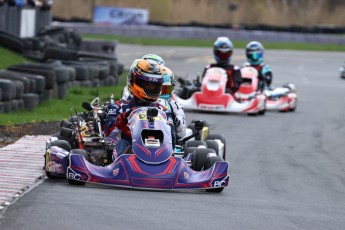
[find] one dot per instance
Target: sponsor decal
(73, 175)
(186, 175)
(221, 182)
(116, 171)
(54, 167)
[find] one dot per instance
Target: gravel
(11, 133)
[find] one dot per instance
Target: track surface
(287, 170)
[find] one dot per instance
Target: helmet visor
(223, 55)
(167, 89)
(152, 89)
(254, 55)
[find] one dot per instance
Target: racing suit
(117, 118)
(265, 75)
(175, 108)
(234, 76)
(178, 116)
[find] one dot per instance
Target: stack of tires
(57, 64)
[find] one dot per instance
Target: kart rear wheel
(200, 157)
(218, 137)
(211, 160)
(194, 143)
(188, 150)
(212, 144)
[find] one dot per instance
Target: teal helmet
(155, 58)
(168, 83)
(255, 53)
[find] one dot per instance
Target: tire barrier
(59, 64)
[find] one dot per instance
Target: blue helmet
(222, 50)
(255, 53)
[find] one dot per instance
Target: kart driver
(165, 99)
(255, 57)
(145, 83)
(222, 51)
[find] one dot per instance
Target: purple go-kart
(151, 164)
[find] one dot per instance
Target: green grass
(9, 58)
(57, 110)
(209, 43)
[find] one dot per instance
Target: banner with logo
(120, 16)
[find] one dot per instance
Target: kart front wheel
(200, 157)
(218, 137)
(75, 182)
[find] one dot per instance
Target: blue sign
(120, 16)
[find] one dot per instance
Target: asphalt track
(287, 170)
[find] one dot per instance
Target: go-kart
(342, 72)
(212, 95)
(152, 163)
(82, 134)
(283, 98)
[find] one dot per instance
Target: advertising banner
(120, 16)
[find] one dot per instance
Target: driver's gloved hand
(121, 123)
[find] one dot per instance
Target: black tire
(4, 74)
(211, 160)
(82, 152)
(294, 108)
(2, 107)
(44, 78)
(62, 144)
(75, 182)
(8, 89)
(218, 137)
(200, 157)
(212, 144)
(31, 100)
(195, 143)
(188, 150)
(49, 175)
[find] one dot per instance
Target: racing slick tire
(62, 144)
(195, 143)
(211, 160)
(262, 112)
(293, 109)
(218, 137)
(212, 144)
(200, 157)
(188, 150)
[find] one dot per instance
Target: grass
(9, 58)
(57, 110)
(209, 43)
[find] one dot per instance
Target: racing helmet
(168, 83)
(255, 53)
(155, 58)
(222, 50)
(145, 80)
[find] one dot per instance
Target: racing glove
(121, 123)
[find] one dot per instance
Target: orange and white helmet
(145, 80)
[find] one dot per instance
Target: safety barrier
(23, 21)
